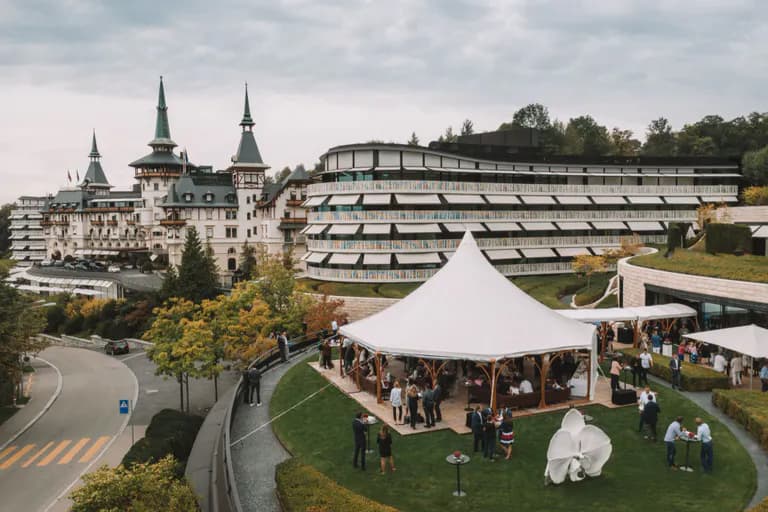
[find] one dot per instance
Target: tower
(95, 180)
(247, 167)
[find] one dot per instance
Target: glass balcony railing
(428, 216)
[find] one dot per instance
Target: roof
(248, 154)
(642, 313)
(751, 340)
(95, 175)
(70, 198)
(162, 127)
(199, 186)
(159, 158)
(468, 310)
(247, 120)
(298, 174)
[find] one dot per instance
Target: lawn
(319, 433)
(386, 290)
(725, 266)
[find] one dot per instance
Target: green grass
(319, 433)
(6, 265)
(725, 266)
(611, 301)
(384, 290)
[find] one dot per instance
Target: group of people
(676, 431)
(489, 426)
(360, 426)
(431, 397)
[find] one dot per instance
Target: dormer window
(230, 198)
(208, 197)
(188, 197)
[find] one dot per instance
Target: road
(130, 279)
(71, 436)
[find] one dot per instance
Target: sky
(325, 73)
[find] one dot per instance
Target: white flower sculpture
(576, 450)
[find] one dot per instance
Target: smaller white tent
(751, 340)
(641, 313)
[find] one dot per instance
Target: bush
(755, 196)
(693, 377)
(170, 432)
(146, 267)
(302, 488)
(56, 318)
(749, 408)
(728, 238)
(674, 237)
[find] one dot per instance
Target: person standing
(615, 373)
(646, 363)
(412, 394)
(705, 436)
(764, 376)
(650, 416)
(489, 435)
(254, 383)
(720, 364)
(737, 367)
(641, 405)
(437, 397)
(358, 430)
(477, 423)
(334, 328)
(325, 351)
(396, 399)
(246, 388)
(282, 345)
(384, 440)
(507, 435)
(681, 351)
(674, 365)
(635, 371)
(656, 342)
(674, 431)
(428, 404)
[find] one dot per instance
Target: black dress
(385, 445)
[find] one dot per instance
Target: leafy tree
(756, 196)
(322, 312)
(583, 136)
(284, 173)
(269, 180)
(5, 228)
(467, 127)
(414, 140)
(623, 144)
(288, 257)
(659, 139)
(586, 265)
(755, 166)
(533, 115)
(248, 263)
(448, 136)
(142, 488)
(199, 346)
(706, 213)
(197, 278)
(276, 284)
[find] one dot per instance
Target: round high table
(371, 420)
(688, 442)
(458, 462)
(468, 384)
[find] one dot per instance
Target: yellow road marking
(71, 453)
(93, 450)
(33, 458)
(16, 456)
(56, 451)
(6, 451)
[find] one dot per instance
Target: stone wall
(361, 307)
(635, 278)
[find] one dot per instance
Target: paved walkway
(704, 400)
(254, 459)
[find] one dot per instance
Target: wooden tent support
(493, 385)
(356, 366)
(604, 339)
(341, 360)
(378, 378)
(589, 374)
(543, 370)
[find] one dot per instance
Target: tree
(276, 284)
(202, 348)
(755, 166)
(586, 265)
(284, 173)
(623, 144)
(448, 136)
(467, 127)
(322, 312)
(583, 136)
(170, 284)
(5, 228)
(756, 196)
(248, 263)
(414, 140)
(143, 487)
(269, 180)
(533, 115)
(706, 213)
(197, 278)
(659, 139)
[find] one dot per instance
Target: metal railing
(427, 216)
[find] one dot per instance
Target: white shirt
(704, 433)
(526, 387)
(720, 363)
(646, 360)
(334, 325)
(396, 397)
(673, 432)
(642, 400)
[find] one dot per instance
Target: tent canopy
(746, 339)
(641, 313)
(468, 310)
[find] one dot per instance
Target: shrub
(693, 377)
(302, 488)
(674, 237)
(749, 408)
(756, 196)
(146, 267)
(56, 318)
(727, 238)
(170, 432)
(760, 507)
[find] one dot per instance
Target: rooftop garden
(724, 266)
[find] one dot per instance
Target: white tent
(468, 310)
(746, 339)
(641, 313)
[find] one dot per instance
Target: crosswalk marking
(56, 451)
(93, 450)
(33, 458)
(10, 461)
(6, 451)
(73, 451)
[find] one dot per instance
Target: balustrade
(428, 216)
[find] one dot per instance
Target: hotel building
(27, 241)
(390, 212)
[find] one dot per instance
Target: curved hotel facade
(389, 212)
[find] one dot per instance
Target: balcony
(294, 202)
(46, 223)
(97, 222)
(109, 209)
(111, 223)
(292, 222)
(157, 173)
(428, 216)
(173, 223)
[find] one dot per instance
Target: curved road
(45, 460)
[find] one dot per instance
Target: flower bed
(749, 408)
(693, 377)
(302, 488)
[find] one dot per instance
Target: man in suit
(674, 365)
(477, 429)
(282, 344)
(254, 383)
(437, 396)
(428, 403)
(651, 416)
(358, 430)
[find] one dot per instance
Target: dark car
(82, 266)
(116, 347)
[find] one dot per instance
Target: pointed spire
(94, 154)
(162, 128)
(247, 120)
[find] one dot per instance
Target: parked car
(47, 263)
(69, 266)
(95, 265)
(58, 263)
(82, 266)
(113, 347)
(112, 269)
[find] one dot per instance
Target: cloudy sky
(323, 73)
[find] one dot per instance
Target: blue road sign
(123, 406)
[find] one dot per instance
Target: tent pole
(589, 375)
(493, 385)
(341, 360)
(543, 370)
(378, 378)
(603, 339)
(356, 366)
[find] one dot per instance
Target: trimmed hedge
(302, 488)
(169, 432)
(749, 408)
(693, 377)
(728, 238)
(674, 237)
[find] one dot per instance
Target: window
(231, 264)
(209, 232)
(208, 214)
(156, 186)
(249, 215)
(208, 197)
(231, 232)
(248, 200)
(188, 197)
(231, 215)
(254, 230)
(249, 233)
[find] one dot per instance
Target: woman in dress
(413, 402)
(507, 435)
(396, 399)
(384, 440)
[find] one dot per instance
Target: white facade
(27, 240)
